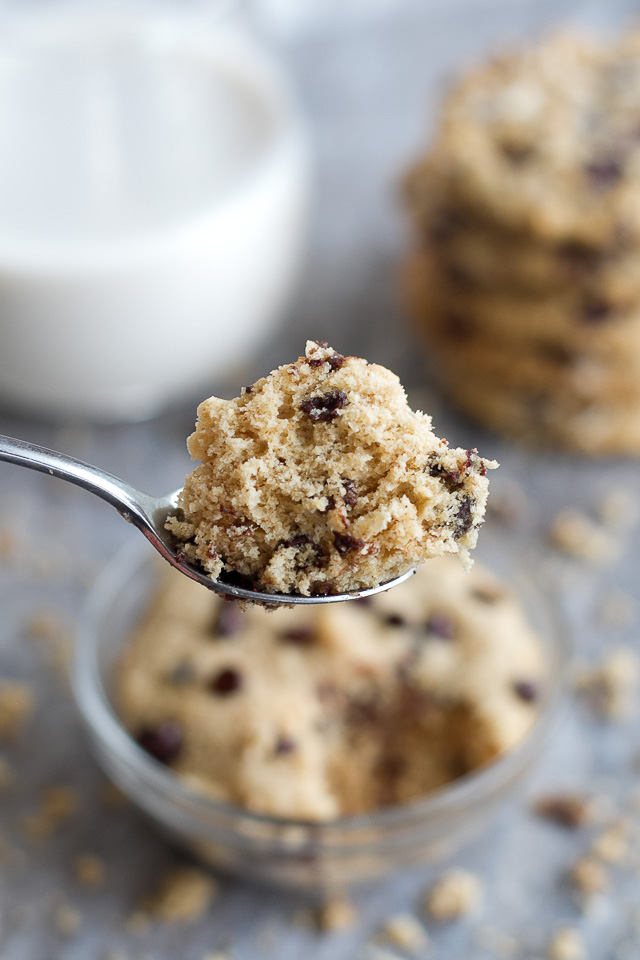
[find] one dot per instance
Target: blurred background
(189, 191)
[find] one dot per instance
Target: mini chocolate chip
(579, 257)
(517, 153)
(441, 625)
(302, 635)
(225, 682)
(595, 311)
(486, 596)
(394, 620)
(335, 360)
(464, 518)
(212, 551)
(300, 540)
(350, 495)
(456, 327)
(362, 711)
(324, 408)
(331, 505)
(345, 543)
(460, 277)
(228, 621)
(181, 556)
(163, 742)
(604, 173)
(527, 690)
(249, 389)
(285, 745)
(555, 353)
(321, 589)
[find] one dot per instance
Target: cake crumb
(588, 878)
(613, 844)
(566, 944)
(610, 686)
(337, 913)
(184, 895)
(576, 535)
(67, 920)
(58, 804)
(89, 870)
(456, 893)
(405, 931)
(568, 810)
(16, 705)
(500, 944)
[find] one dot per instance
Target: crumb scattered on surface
(89, 870)
(575, 534)
(456, 893)
(613, 844)
(58, 805)
(566, 944)
(16, 706)
(588, 876)
(404, 931)
(610, 687)
(183, 895)
(337, 913)
(566, 809)
(67, 920)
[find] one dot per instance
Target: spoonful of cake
(317, 484)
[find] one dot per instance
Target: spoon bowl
(149, 514)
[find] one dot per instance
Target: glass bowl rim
(101, 719)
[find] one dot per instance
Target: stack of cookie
(526, 274)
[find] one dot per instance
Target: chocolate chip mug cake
(321, 712)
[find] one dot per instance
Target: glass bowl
(316, 857)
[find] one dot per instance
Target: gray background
(369, 89)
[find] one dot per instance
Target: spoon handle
(125, 498)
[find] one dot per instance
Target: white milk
(153, 187)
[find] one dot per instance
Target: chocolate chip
(228, 621)
(604, 173)
(595, 311)
(350, 495)
(555, 353)
(441, 625)
(567, 810)
(331, 505)
(300, 540)
(460, 277)
(579, 257)
(249, 389)
(517, 153)
(456, 327)
(226, 682)
(363, 711)
(212, 551)
(464, 518)
(181, 556)
(285, 745)
(486, 596)
(163, 742)
(321, 589)
(324, 408)
(345, 543)
(394, 620)
(527, 690)
(302, 635)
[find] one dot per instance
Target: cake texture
(525, 273)
(320, 479)
(338, 709)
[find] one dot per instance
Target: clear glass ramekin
(318, 858)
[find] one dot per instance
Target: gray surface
(365, 92)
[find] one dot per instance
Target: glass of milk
(153, 198)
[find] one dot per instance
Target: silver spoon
(149, 515)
